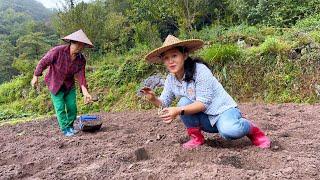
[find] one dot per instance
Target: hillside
(254, 62)
(25, 34)
(31, 7)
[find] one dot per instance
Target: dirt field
(137, 145)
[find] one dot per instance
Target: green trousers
(65, 106)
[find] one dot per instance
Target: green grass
(15, 121)
(260, 71)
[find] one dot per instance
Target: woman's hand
(150, 95)
(169, 114)
(87, 98)
(34, 82)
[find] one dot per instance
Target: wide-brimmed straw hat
(79, 36)
(171, 42)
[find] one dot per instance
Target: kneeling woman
(204, 104)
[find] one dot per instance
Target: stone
(288, 170)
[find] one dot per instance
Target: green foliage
(281, 13)
(252, 62)
(12, 91)
(32, 46)
(21, 36)
(100, 22)
(273, 45)
(24, 66)
(175, 16)
(147, 34)
(309, 24)
(31, 7)
(6, 57)
(210, 33)
(220, 54)
(262, 70)
(9, 114)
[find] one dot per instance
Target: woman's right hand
(150, 95)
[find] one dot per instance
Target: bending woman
(66, 63)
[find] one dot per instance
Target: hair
(72, 42)
(190, 64)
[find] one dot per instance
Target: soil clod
(141, 154)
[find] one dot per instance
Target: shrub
(221, 54)
(273, 45)
(12, 90)
(309, 24)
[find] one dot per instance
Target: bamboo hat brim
(79, 36)
(171, 42)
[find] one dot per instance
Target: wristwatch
(182, 111)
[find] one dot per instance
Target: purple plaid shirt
(62, 71)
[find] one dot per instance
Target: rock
(317, 89)
(160, 136)
(288, 170)
(251, 173)
(148, 141)
(277, 174)
(275, 147)
(304, 51)
(130, 166)
(314, 45)
(60, 146)
(289, 158)
(313, 166)
(151, 177)
(293, 54)
(95, 98)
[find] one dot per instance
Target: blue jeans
(230, 124)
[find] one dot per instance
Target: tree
(174, 16)
(280, 13)
(31, 7)
(21, 37)
(32, 46)
(6, 59)
(109, 30)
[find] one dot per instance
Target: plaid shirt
(205, 88)
(62, 71)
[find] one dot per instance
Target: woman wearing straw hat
(66, 63)
(204, 104)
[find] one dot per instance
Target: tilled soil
(138, 145)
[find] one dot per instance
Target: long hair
(190, 65)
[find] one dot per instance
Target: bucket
(90, 123)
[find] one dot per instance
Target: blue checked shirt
(205, 88)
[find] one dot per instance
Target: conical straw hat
(171, 42)
(79, 36)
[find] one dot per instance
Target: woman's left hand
(169, 114)
(87, 98)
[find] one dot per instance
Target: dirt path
(137, 145)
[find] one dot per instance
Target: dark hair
(190, 65)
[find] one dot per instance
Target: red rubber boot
(197, 139)
(257, 137)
